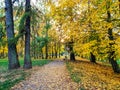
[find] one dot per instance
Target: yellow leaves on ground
(95, 76)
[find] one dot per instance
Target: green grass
(9, 78)
(73, 75)
(118, 61)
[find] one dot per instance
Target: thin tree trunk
(46, 51)
(42, 54)
(27, 58)
(46, 46)
(56, 50)
(12, 51)
(52, 52)
(34, 42)
(59, 49)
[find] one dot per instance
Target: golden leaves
(95, 76)
(3, 49)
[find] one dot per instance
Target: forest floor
(78, 75)
(90, 76)
(53, 76)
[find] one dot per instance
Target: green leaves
(42, 41)
(22, 22)
(2, 33)
(47, 26)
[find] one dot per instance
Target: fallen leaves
(53, 76)
(95, 76)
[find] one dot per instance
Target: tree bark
(72, 56)
(12, 51)
(27, 58)
(92, 58)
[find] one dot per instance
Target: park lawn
(9, 78)
(91, 76)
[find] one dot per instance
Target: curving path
(53, 76)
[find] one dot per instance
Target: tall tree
(12, 52)
(92, 56)
(27, 58)
(46, 45)
(111, 56)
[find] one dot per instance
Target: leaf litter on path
(53, 76)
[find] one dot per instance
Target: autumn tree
(111, 55)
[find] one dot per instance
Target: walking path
(53, 76)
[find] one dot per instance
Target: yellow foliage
(81, 21)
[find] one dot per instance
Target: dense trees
(91, 26)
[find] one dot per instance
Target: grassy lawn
(91, 76)
(10, 78)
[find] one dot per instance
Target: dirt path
(53, 76)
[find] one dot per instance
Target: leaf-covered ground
(93, 76)
(53, 76)
(9, 78)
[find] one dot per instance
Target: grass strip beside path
(10, 78)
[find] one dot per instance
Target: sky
(33, 1)
(36, 3)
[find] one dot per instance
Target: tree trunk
(59, 48)
(46, 51)
(56, 50)
(55, 54)
(92, 58)
(27, 58)
(42, 54)
(46, 46)
(12, 51)
(72, 56)
(34, 46)
(110, 33)
(52, 52)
